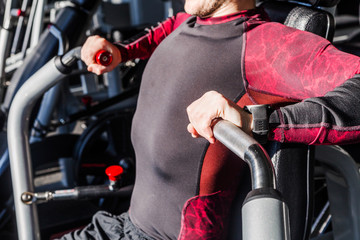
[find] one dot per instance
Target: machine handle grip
(103, 58)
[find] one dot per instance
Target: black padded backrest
(311, 3)
(315, 21)
(293, 164)
(320, 3)
(305, 18)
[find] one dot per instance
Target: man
(224, 52)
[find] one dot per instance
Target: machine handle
(248, 149)
(103, 58)
(65, 63)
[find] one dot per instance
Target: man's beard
(203, 13)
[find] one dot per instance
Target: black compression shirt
(184, 187)
(169, 160)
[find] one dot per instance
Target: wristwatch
(260, 121)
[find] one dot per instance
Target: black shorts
(105, 226)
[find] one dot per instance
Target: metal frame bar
(342, 178)
(244, 146)
(19, 148)
(51, 97)
(5, 35)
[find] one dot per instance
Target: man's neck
(233, 7)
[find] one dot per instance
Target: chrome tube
(264, 213)
(19, 149)
(29, 27)
(249, 150)
(4, 44)
(38, 23)
(5, 36)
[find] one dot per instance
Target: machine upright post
(264, 213)
(19, 148)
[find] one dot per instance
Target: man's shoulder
(277, 30)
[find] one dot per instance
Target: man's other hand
(91, 47)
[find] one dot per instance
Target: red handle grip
(103, 58)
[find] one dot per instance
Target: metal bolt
(27, 197)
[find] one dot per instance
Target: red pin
(114, 172)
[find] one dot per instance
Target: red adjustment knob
(114, 172)
(103, 58)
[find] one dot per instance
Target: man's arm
(331, 119)
(146, 42)
(142, 47)
(304, 67)
(297, 66)
(286, 62)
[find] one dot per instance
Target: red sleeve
(144, 46)
(282, 61)
(293, 63)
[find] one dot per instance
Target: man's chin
(195, 10)
(198, 14)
